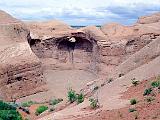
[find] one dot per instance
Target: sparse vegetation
(72, 96)
(135, 82)
(28, 104)
(149, 99)
(147, 91)
(132, 110)
(41, 109)
(94, 103)
(55, 101)
(133, 101)
(6, 106)
(155, 84)
(10, 115)
(8, 112)
(80, 98)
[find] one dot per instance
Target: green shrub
(155, 84)
(72, 96)
(8, 112)
(10, 115)
(80, 98)
(133, 101)
(41, 109)
(28, 104)
(135, 82)
(132, 110)
(147, 91)
(149, 99)
(5, 106)
(94, 103)
(55, 101)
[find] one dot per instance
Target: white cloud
(80, 11)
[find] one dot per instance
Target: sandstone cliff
(20, 69)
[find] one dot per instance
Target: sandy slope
(109, 95)
(58, 82)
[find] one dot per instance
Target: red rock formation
(20, 68)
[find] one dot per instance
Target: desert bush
(155, 84)
(80, 98)
(135, 82)
(55, 101)
(133, 101)
(72, 96)
(5, 106)
(10, 115)
(41, 109)
(147, 91)
(132, 110)
(94, 103)
(28, 103)
(149, 99)
(8, 112)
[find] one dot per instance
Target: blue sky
(81, 12)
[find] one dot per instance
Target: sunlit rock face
(27, 49)
(97, 49)
(71, 49)
(20, 68)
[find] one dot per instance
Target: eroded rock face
(55, 45)
(110, 45)
(61, 52)
(20, 68)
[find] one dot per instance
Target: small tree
(72, 96)
(133, 101)
(28, 104)
(80, 98)
(147, 91)
(8, 112)
(55, 101)
(135, 82)
(41, 109)
(155, 84)
(94, 103)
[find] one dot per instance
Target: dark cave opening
(79, 51)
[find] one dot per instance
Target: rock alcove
(68, 52)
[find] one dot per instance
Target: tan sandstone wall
(20, 69)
